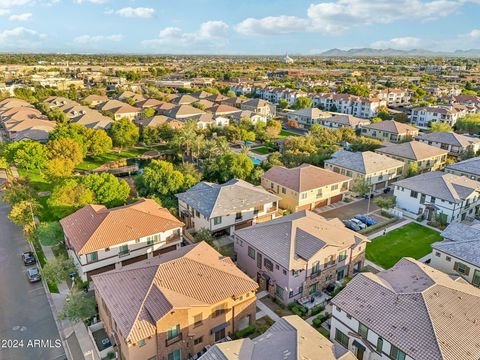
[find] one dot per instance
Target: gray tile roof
(441, 185)
(461, 241)
(422, 311)
(470, 166)
(216, 200)
(366, 162)
(291, 240)
(449, 138)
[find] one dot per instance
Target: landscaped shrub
(249, 330)
(297, 309)
(317, 309)
(319, 320)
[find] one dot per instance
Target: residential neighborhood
(249, 181)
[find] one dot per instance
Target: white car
(359, 223)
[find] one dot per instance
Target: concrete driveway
(27, 327)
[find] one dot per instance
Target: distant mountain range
(394, 52)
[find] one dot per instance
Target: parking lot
(349, 210)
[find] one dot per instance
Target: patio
(310, 301)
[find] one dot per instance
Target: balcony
(315, 274)
(172, 238)
(174, 340)
(123, 253)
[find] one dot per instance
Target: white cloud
(20, 17)
(402, 43)
(472, 35)
(21, 37)
(13, 3)
(340, 15)
(210, 34)
(141, 12)
(87, 39)
(91, 1)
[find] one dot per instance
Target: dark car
(28, 258)
(387, 190)
(33, 274)
(351, 225)
(367, 220)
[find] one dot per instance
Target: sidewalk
(267, 311)
(75, 337)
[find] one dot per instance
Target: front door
(312, 289)
(360, 354)
(219, 335)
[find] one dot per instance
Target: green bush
(317, 309)
(249, 330)
(297, 309)
(319, 320)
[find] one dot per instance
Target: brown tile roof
(393, 127)
(95, 227)
(413, 150)
(424, 312)
(148, 103)
(184, 100)
(139, 295)
(304, 177)
(223, 109)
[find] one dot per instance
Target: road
(27, 327)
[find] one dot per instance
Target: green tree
(57, 168)
(78, 307)
(148, 113)
(58, 269)
(108, 189)
(360, 186)
(68, 197)
(31, 155)
(273, 129)
(302, 102)
(20, 190)
(383, 113)
(66, 148)
(282, 104)
(412, 169)
(469, 123)
(229, 166)
(23, 212)
(204, 235)
(150, 135)
(437, 126)
(385, 202)
(124, 133)
(98, 142)
(376, 120)
(160, 178)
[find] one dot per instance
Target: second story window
(396, 353)
(238, 216)
(92, 257)
(141, 342)
(268, 264)
(217, 220)
(173, 332)
(342, 256)
(123, 250)
(379, 345)
(362, 330)
(197, 320)
(251, 252)
(316, 268)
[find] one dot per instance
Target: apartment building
(438, 194)
(174, 305)
(226, 207)
(349, 104)
(459, 252)
(409, 312)
(305, 186)
(422, 117)
(469, 168)
(389, 130)
(100, 239)
(456, 144)
(376, 170)
(393, 97)
(299, 255)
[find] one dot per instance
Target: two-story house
(100, 239)
(226, 207)
(438, 194)
(409, 312)
(426, 157)
(259, 106)
(174, 305)
(459, 252)
(376, 170)
(389, 130)
(300, 254)
(456, 144)
(305, 186)
(448, 114)
(343, 120)
(307, 117)
(469, 168)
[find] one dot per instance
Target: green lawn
(91, 163)
(262, 150)
(38, 181)
(412, 240)
(285, 133)
(50, 233)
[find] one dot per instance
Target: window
(240, 242)
(251, 252)
(92, 257)
(141, 342)
(284, 272)
(277, 267)
(175, 355)
(362, 330)
(279, 291)
(123, 250)
(379, 345)
(219, 335)
(217, 220)
(238, 216)
(197, 213)
(342, 256)
(221, 309)
(448, 258)
(461, 268)
(198, 340)
(340, 337)
(319, 193)
(437, 254)
(413, 194)
(197, 320)
(268, 264)
(334, 187)
(396, 353)
(173, 333)
(153, 239)
(284, 191)
(316, 268)
(303, 195)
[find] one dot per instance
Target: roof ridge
(431, 324)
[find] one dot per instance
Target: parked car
(360, 224)
(367, 220)
(387, 190)
(351, 225)
(28, 258)
(33, 274)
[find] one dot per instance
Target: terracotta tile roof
(393, 127)
(95, 227)
(139, 295)
(425, 313)
(223, 109)
(184, 100)
(304, 177)
(413, 150)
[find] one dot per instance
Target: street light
(369, 198)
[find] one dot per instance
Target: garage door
(100, 270)
(335, 199)
(134, 260)
(380, 185)
(321, 203)
(164, 250)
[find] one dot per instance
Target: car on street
(387, 190)
(28, 258)
(367, 220)
(360, 224)
(33, 274)
(351, 225)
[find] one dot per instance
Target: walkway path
(267, 311)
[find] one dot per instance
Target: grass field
(91, 163)
(412, 240)
(38, 181)
(285, 133)
(262, 150)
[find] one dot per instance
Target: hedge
(249, 330)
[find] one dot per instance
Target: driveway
(27, 327)
(350, 210)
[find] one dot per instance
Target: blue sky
(236, 27)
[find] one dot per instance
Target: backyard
(262, 150)
(412, 240)
(285, 133)
(91, 163)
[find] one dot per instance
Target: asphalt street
(27, 327)
(350, 210)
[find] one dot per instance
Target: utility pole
(369, 198)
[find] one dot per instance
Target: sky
(240, 27)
